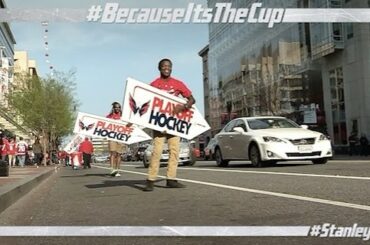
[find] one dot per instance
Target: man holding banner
(173, 86)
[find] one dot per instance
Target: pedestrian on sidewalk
(37, 151)
(353, 141)
(176, 87)
(11, 151)
(364, 143)
(87, 149)
(3, 144)
(22, 148)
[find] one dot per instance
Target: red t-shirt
(115, 116)
(86, 147)
(4, 147)
(172, 86)
(11, 148)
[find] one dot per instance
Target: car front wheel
(219, 160)
(255, 157)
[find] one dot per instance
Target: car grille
(305, 141)
(306, 154)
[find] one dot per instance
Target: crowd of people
(18, 153)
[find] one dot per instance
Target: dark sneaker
(149, 185)
(174, 184)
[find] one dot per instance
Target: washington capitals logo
(142, 110)
(83, 127)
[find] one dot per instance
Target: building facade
(10, 123)
(311, 73)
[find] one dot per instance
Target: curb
(18, 190)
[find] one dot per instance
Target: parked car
(186, 156)
(100, 158)
(127, 156)
(268, 140)
(209, 151)
(139, 153)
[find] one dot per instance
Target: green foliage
(46, 105)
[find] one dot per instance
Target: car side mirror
(238, 129)
(304, 126)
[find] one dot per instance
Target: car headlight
(323, 137)
(272, 139)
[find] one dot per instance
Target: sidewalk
(19, 182)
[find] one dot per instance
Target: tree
(46, 106)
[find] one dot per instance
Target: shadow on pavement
(85, 175)
(137, 184)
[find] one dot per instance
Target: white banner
(102, 127)
(74, 144)
(152, 108)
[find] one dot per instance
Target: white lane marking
(272, 173)
(279, 173)
(270, 193)
(350, 161)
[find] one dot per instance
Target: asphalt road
(289, 194)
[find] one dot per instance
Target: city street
(289, 194)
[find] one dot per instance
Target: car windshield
(266, 123)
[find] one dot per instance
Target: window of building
(338, 106)
(335, 3)
(337, 31)
(349, 30)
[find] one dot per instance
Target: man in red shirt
(87, 149)
(176, 87)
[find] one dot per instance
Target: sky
(104, 55)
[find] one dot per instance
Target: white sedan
(186, 156)
(268, 140)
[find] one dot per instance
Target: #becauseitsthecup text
(162, 115)
(194, 13)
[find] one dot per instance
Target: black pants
(87, 160)
(38, 158)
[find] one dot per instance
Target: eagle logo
(83, 127)
(142, 110)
